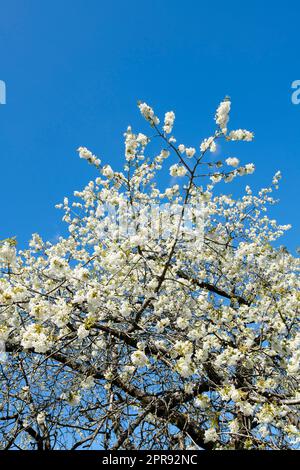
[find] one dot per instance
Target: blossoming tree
(160, 335)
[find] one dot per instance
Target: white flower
(184, 366)
(182, 323)
(266, 414)
(37, 337)
(73, 399)
(222, 114)
(169, 122)
(250, 168)
(87, 155)
(164, 153)
(57, 266)
(82, 332)
(4, 333)
(108, 172)
(41, 418)
(229, 178)
(80, 273)
(241, 134)
(84, 153)
(276, 177)
(88, 383)
(264, 431)
(208, 144)
(190, 152)
(246, 408)
(139, 359)
(142, 139)
(234, 426)
(125, 310)
(148, 113)
(93, 298)
(128, 370)
(41, 310)
(235, 394)
(169, 192)
(7, 253)
(210, 435)
(202, 401)
(183, 348)
(162, 324)
(177, 170)
(216, 178)
(232, 161)
(291, 429)
(181, 148)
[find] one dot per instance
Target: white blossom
(250, 168)
(169, 122)
(210, 435)
(82, 332)
(208, 144)
(241, 134)
(231, 161)
(37, 338)
(222, 114)
(89, 156)
(41, 418)
(148, 113)
(175, 296)
(107, 171)
(7, 253)
(139, 359)
(178, 170)
(190, 152)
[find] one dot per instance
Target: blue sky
(74, 71)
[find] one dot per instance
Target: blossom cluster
(149, 322)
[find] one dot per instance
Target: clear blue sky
(74, 70)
